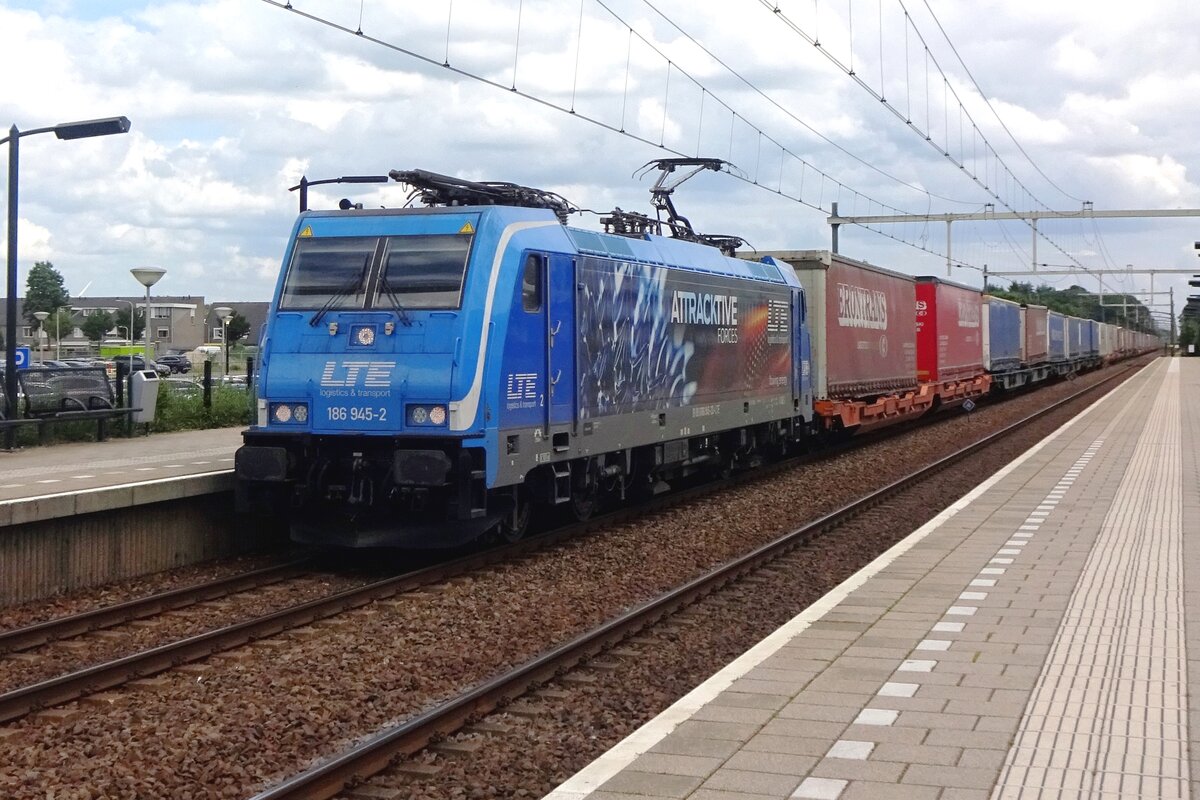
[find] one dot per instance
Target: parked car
(138, 364)
(177, 362)
(185, 387)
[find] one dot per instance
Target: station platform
(64, 479)
(1040, 638)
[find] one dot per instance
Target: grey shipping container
(1058, 334)
(1002, 334)
(862, 320)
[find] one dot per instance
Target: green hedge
(179, 412)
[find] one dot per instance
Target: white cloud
(232, 102)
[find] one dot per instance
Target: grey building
(255, 313)
(176, 323)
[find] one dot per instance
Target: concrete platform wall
(47, 556)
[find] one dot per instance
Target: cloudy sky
(915, 107)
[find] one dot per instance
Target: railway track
(78, 683)
(53, 630)
(372, 755)
(70, 686)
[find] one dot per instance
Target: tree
(61, 324)
(1189, 333)
(44, 290)
(121, 320)
(97, 325)
(237, 328)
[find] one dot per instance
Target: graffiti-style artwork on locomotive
(651, 337)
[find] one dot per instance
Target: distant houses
(177, 324)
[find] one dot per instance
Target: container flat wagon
(949, 340)
(864, 347)
(1004, 345)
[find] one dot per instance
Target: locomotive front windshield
(423, 271)
(327, 270)
(418, 271)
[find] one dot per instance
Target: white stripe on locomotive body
(463, 412)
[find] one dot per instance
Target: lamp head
(147, 276)
(223, 313)
(88, 128)
(41, 316)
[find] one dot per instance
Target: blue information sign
(22, 358)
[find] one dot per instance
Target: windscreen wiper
(396, 304)
(337, 296)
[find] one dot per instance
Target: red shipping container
(862, 323)
(949, 331)
(1037, 330)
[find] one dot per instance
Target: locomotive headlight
(284, 413)
(364, 335)
(426, 415)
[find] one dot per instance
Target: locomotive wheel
(513, 525)
(582, 505)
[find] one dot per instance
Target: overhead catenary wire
(790, 114)
(983, 96)
(1013, 186)
(831, 189)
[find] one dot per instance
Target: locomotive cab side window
(531, 283)
(423, 271)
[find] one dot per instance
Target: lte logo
(376, 374)
(522, 386)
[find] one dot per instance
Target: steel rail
(373, 754)
(69, 686)
(53, 630)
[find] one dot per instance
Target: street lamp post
(41, 317)
(225, 313)
(147, 276)
(66, 130)
(132, 312)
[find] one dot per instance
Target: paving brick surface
(1033, 644)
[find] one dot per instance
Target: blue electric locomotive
(432, 374)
